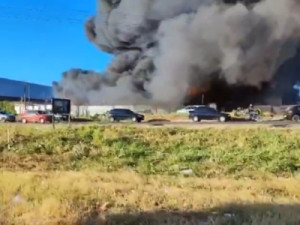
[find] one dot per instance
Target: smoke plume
(162, 48)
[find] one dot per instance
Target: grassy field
(129, 175)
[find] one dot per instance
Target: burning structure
(166, 49)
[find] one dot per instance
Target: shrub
(7, 106)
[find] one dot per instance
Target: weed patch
(208, 152)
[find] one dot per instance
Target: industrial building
(12, 90)
(25, 95)
(283, 89)
(32, 96)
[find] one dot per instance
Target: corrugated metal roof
(17, 89)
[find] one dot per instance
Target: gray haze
(164, 47)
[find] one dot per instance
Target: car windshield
(211, 110)
(290, 108)
(192, 107)
(41, 112)
(128, 111)
(35, 112)
(121, 111)
(206, 110)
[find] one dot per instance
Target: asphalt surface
(209, 124)
(186, 124)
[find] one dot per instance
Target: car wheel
(222, 119)
(196, 119)
(296, 118)
(134, 119)
(42, 121)
(24, 121)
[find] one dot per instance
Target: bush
(7, 106)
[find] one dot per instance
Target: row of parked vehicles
(32, 116)
(37, 116)
(198, 113)
(195, 113)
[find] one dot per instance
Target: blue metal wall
(12, 89)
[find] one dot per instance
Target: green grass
(208, 152)
(102, 175)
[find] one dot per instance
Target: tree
(7, 106)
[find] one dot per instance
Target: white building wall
(93, 110)
(85, 110)
(20, 107)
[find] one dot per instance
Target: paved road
(187, 124)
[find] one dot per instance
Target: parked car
(293, 113)
(58, 117)
(188, 109)
(125, 114)
(32, 116)
(207, 113)
(6, 117)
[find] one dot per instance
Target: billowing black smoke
(163, 48)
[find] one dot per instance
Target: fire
(196, 91)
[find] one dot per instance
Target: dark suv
(125, 114)
(293, 113)
(207, 113)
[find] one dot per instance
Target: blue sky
(40, 39)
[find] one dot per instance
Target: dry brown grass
(166, 117)
(128, 198)
(230, 187)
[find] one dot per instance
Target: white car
(188, 109)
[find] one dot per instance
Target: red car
(32, 116)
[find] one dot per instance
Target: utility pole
(203, 99)
(28, 92)
(24, 95)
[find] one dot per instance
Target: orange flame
(196, 91)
